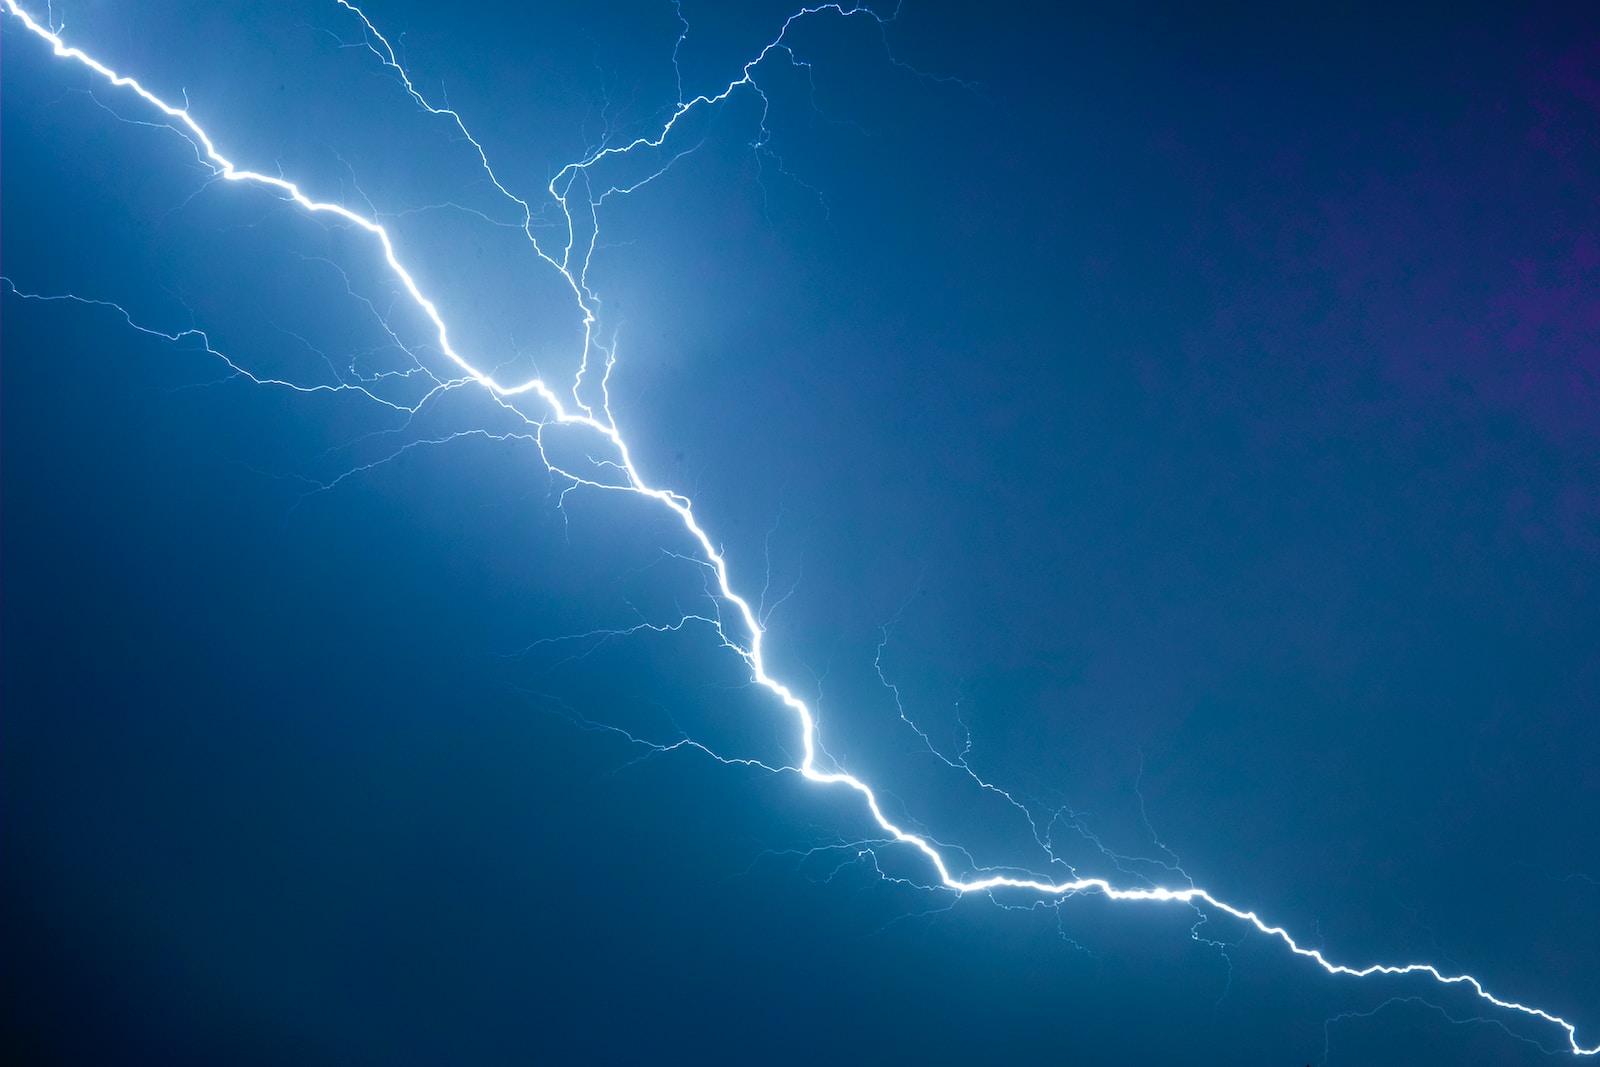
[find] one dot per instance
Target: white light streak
(572, 264)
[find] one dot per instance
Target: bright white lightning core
(589, 408)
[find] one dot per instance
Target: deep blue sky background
(1215, 393)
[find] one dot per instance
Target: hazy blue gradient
(1191, 416)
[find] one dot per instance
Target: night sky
(1189, 420)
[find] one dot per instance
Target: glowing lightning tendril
(583, 414)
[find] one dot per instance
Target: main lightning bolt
(589, 409)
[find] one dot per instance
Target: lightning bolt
(579, 194)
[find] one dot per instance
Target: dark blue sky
(1191, 417)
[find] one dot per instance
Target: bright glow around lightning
(589, 408)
